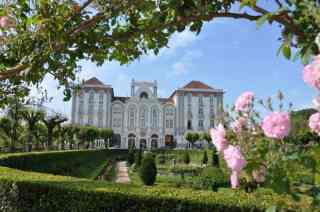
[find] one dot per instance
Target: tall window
(200, 111)
(91, 108)
(131, 118)
(100, 111)
(91, 97)
(200, 124)
(171, 124)
(101, 99)
(154, 123)
(80, 110)
(201, 100)
(211, 100)
(143, 117)
(212, 123)
(189, 98)
(167, 123)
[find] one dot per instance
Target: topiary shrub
(186, 157)
(131, 156)
(148, 170)
(205, 158)
(215, 158)
(138, 158)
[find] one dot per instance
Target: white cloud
(180, 68)
(177, 41)
(182, 39)
(185, 64)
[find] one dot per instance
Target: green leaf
(263, 19)
(286, 51)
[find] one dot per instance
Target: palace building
(144, 120)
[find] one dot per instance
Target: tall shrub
(138, 158)
(148, 170)
(186, 157)
(131, 156)
(215, 158)
(205, 158)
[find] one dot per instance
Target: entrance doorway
(169, 141)
(143, 143)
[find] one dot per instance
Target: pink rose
(311, 73)
(276, 125)
(5, 22)
(234, 179)
(239, 125)
(244, 101)
(234, 158)
(218, 137)
(314, 123)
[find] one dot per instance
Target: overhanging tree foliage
(50, 36)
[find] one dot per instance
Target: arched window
(101, 98)
(131, 140)
(143, 117)
(91, 97)
(143, 95)
(80, 110)
(131, 118)
(154, 141)
(90, 108)
(154, 116)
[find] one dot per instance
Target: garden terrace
(28, 190)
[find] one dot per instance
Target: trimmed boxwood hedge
(32, 191)
(79, 163)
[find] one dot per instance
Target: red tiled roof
(197, 85)
(93, 81)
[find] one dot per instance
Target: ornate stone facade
(143, 120)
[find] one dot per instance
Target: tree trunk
(49, 143)
(29, 144)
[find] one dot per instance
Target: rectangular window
(167, 124)
(211, 100)
(211, 123)
(200, 111)
(171, 124)
(201, 100)
(200, 124)
(189, 98)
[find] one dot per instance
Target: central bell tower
(144, 89)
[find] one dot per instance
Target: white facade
(144, 120)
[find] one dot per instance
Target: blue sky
(229, 54)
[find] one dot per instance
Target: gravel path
(122, 172)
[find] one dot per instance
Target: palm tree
(6, 126)
(106, 134)
(70, 131)
(32, 117)
(51, 123)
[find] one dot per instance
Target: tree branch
(278, 3)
